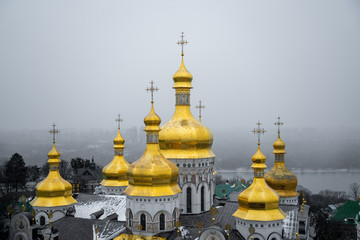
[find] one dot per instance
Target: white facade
(155, 214)
(42, 213)
(196, 183)
(269, 230)
(110, 190)
(289, 201)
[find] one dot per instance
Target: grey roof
(223, 217)
(88, 204)
(71, 228)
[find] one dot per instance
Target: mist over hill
(307, 148)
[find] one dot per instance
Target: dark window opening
(202, 199)
(188, 200)
(143, 221)
(162, 221)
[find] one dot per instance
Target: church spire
(279, 177)
(114, 174)
(53, 191)
(152, 174)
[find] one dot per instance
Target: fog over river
(315, 181)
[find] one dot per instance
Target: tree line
(14, 173)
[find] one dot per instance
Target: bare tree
(355, 189)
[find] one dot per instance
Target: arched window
(130, 218)
(42, 220)
(202, 199)
(174, 218)
(188, 200)
(256, 239)
(143, 221)
(162, 222)
(273, 239)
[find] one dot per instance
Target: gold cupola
(259, 202)
(152, 175)
(279, 178)
(183, 137)
(114, 173)
(53, 191)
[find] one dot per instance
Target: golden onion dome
(152, 120)
(183, 137)
(53, 191)
(279, 146)
(182, 78)
(279, 178)
(114, 173)
(259, 202)
(152, 175)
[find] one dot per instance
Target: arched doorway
(143, 221)
(188, 200)
(162, 222)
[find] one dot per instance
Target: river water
(315, 181)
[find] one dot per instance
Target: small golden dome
(182, 78)
(114, 173)
(184, 137)
(53, 191)
(259, 202)
(119, 140)
(279, 146)
(279, 178)
(152, 175)
(152, 120)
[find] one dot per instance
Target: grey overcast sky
(79, 63)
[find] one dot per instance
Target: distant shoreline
(239, 170)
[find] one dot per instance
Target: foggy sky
(79, 63)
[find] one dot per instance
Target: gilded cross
(278, 124)
(118, 120)
(200, 107)
(53, 131)
(182, 42)
(258, 131)
(152, 89)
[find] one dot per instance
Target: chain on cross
(200, 106)
(152, 89)
(278, 124)
(258, 131)
(118, 120)
(53, 131)
(182, 42)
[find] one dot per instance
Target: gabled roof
(348, 210)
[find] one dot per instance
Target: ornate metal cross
(258, 131)
(278, 124)
(152, 89)
(182, 42)
(200, 107)
(53, 131)
(118, 120)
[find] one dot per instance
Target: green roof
(348, 210)
(224, 190)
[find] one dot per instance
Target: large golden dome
(53, 191)
(152, 175)
(115, 172)
(184, 137)
(259, 202)
(279, 177)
